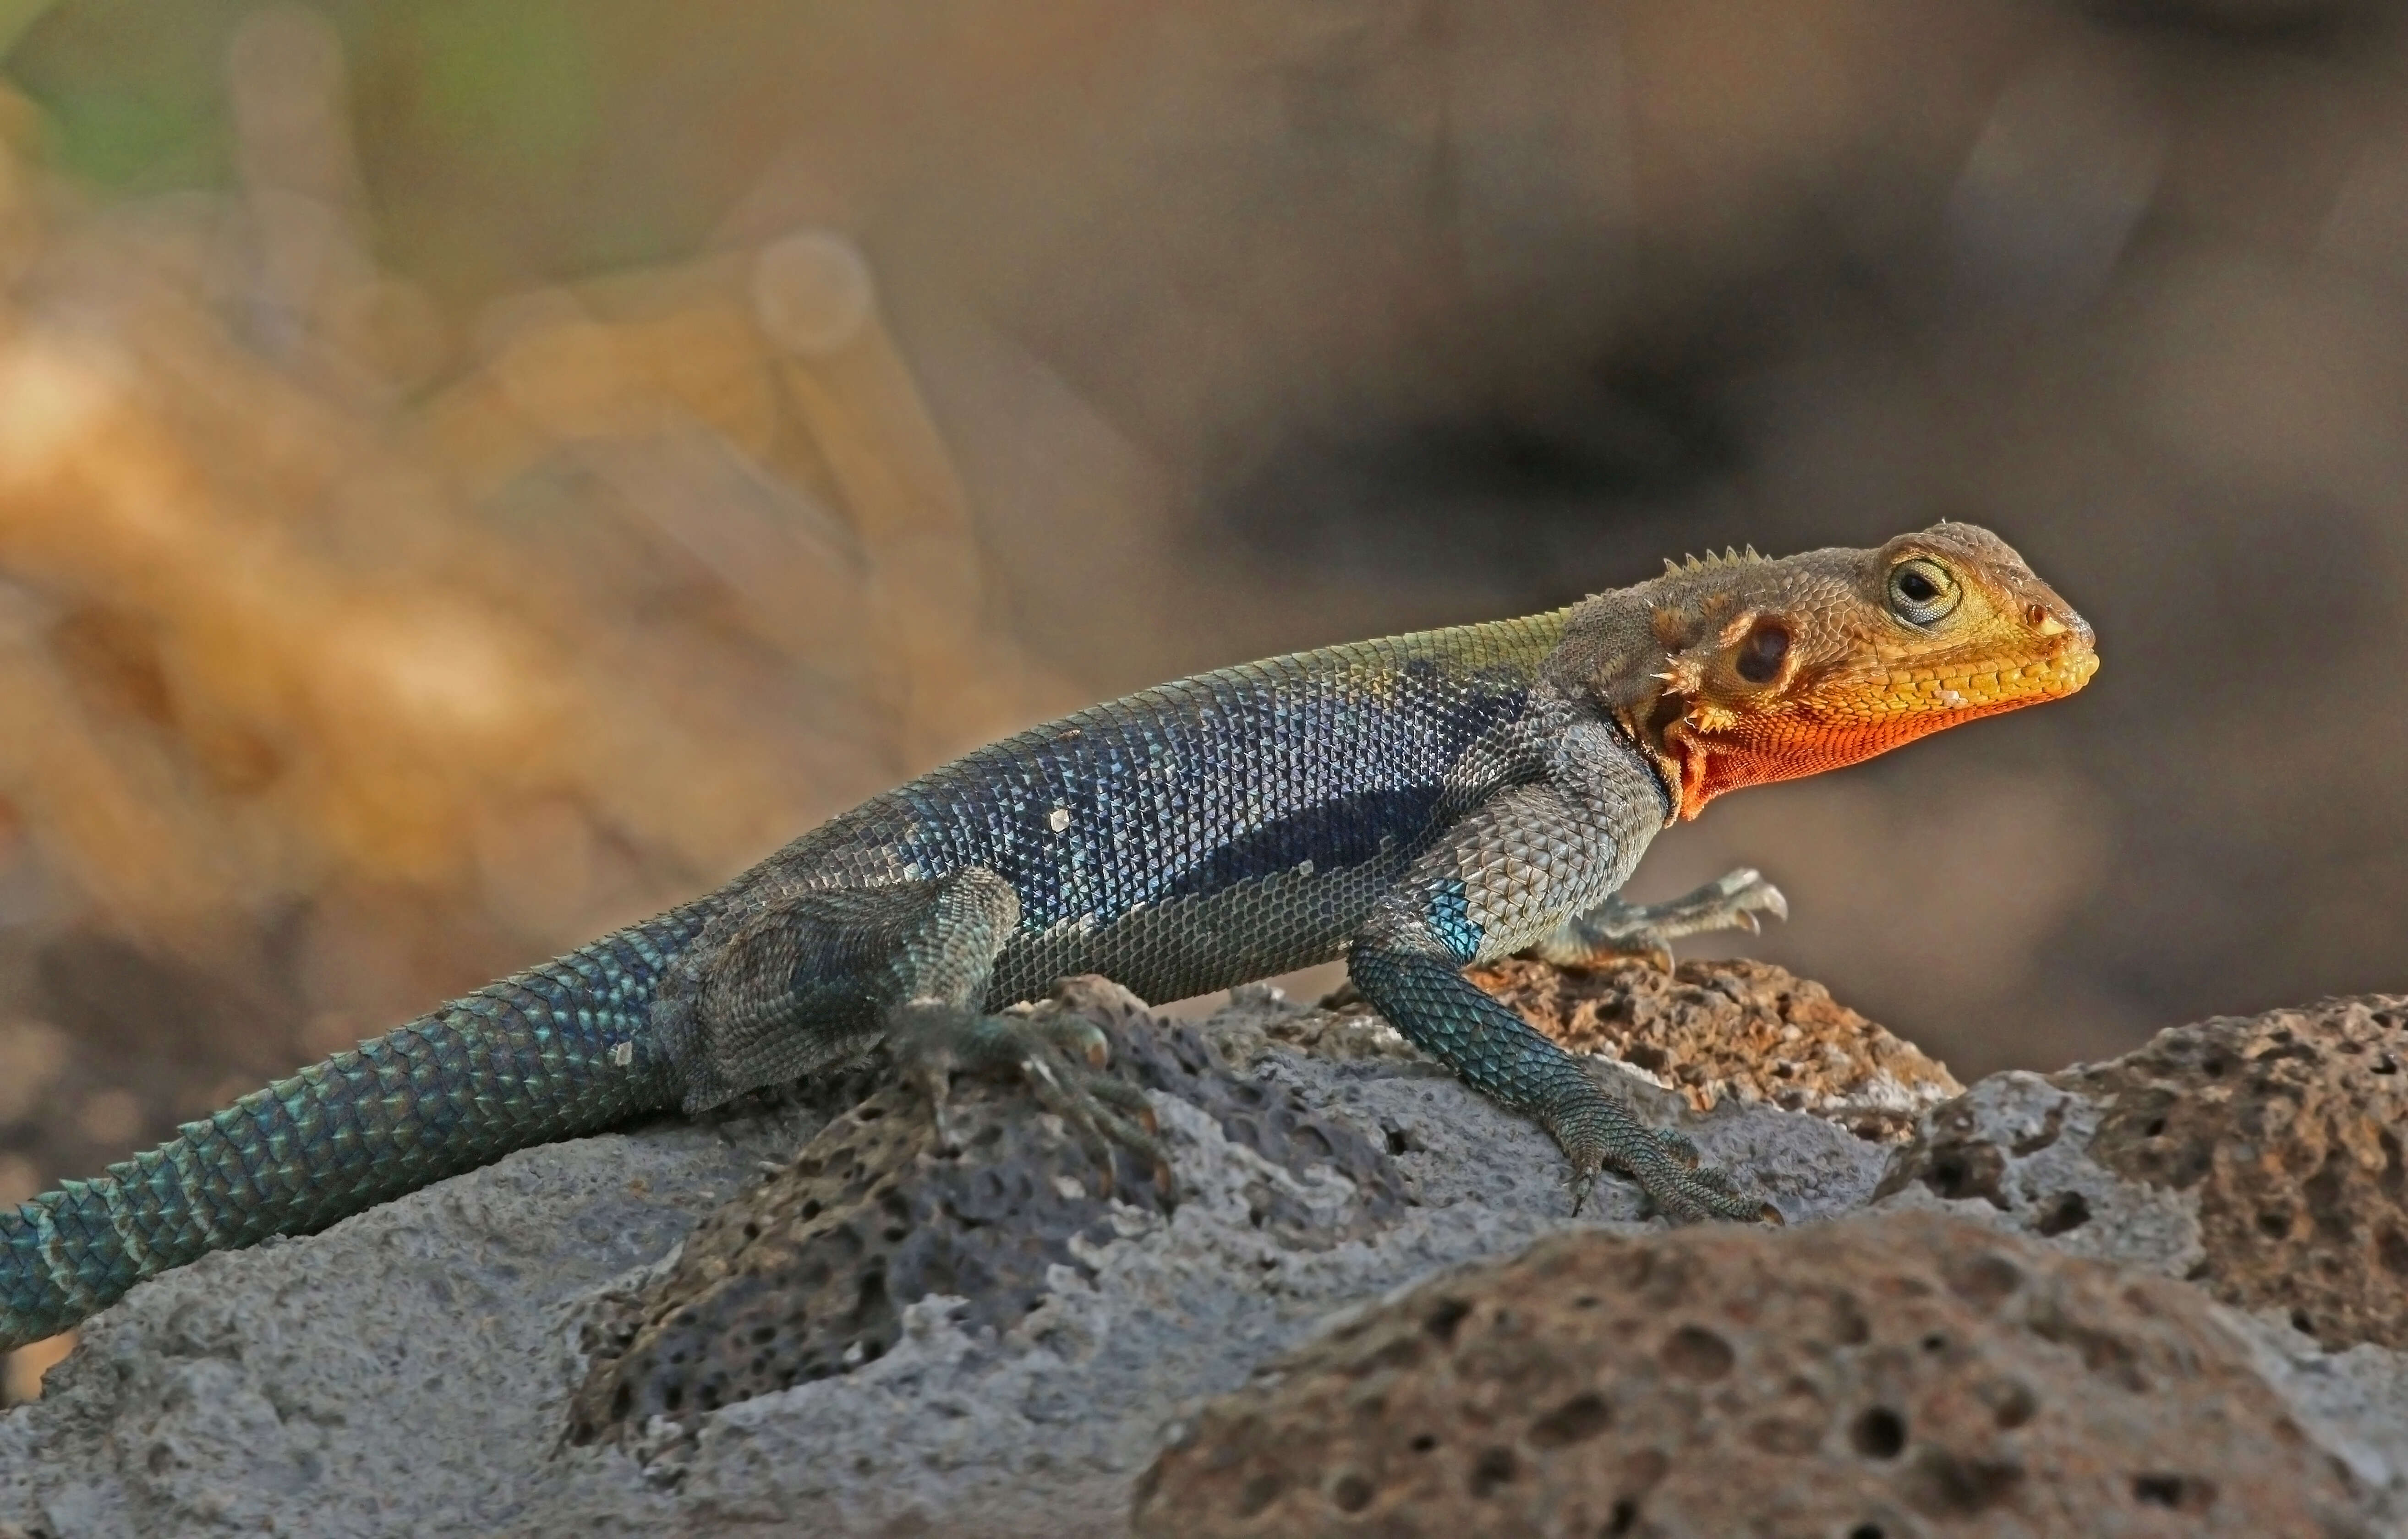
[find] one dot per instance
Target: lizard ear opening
(1760, 653)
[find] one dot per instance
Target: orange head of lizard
(1774, 669)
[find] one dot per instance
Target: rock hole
(2385, 1063)
(2327, 1195)
(1849, 1327)
(1695, 1353)
(1259, 1493)
(2301, 1323)
(1943, 1485)
(870, 1113)
(1423, 1442)
(1936, 1342)
(1866, 1530)
(1576, 1421)
(2274, 1223)
(1879, 1433)
(2214, 1068)
(2068, 1210)
(2156, 1128)
(2392, 1246)
(2011, 1405)
(752, 1229)
(1985, 1281)
(2178, 1492)
(1443, 1319)
(810, 1208)
(1965, 1172)
(1350, 1492)
(2050, 1128)
(1494, 1468)
(1622, 1521)
(1647, 1056)
(1401, 1142)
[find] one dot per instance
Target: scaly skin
(1416, 805)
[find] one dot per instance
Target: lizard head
(1772, 669)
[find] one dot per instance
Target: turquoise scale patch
(1449, 916)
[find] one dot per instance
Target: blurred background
(475, 472)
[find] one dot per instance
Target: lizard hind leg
(939, 1026)
(793, 980)
(1615, 928)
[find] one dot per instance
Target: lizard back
(1217, 829)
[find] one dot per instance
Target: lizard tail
(562, 1050)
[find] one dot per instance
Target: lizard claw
(1646, 930)
(1598, 1132)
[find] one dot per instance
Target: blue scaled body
(1415, 804)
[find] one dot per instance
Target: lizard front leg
(1500, 877)
(790, 980)
(1615, 928)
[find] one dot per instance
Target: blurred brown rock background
(473, 472)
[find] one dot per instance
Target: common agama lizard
(1416, 804)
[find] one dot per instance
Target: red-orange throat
(1718, 748)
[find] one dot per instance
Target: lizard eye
(1921, 592)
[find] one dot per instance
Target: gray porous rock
(430, 1366)
(2259, 1158)
(808, 1317)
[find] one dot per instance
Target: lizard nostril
(2038, 616)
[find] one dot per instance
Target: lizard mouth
(1847, 722)
(1955, 688)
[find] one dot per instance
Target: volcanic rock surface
(1908, 1373)
(691, 1328)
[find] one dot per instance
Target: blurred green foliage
(133, 91)
(517, 81)
(480, 103)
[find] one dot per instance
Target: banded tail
(562, 1049)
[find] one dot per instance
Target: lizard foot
(1647, 930)
(1060, 1059)
(1597, 1133)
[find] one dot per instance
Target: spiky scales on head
(1738, 670)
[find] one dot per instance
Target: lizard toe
(1680, 1146)
(1059, 1058)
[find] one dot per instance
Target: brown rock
(1906, 1374)
(1735, 1028)
(2286, 1128)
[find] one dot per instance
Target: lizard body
(1416, 805)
